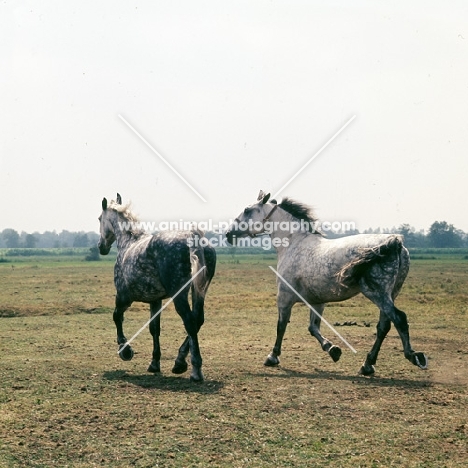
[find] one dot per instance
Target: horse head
(251, 221)
(106, 229)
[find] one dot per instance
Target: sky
(236, 96)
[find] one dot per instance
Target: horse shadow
(371, 381)
(168, 383)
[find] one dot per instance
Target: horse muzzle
(231, 238)
(234, 234)
(104, 249)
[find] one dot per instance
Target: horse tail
(403, 268)
(366, 258)
(197, 259)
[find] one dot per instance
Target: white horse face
(251, 221)
(106, 230)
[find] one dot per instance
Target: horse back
(329, 270)
(154, 267)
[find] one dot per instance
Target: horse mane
(126, 213)
(124, 210)
(300, 211)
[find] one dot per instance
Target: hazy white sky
(237, 96)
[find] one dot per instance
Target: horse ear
(261, 194)
(119, 199)
(266, 198)
(104, 204)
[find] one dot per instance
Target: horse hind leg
(314, 329)
(191, 326)
(383, 327)
(417, 358)
(155, 330)
(180, 365)
(384, 301)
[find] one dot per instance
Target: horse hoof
(179, 367)
(154, 368)
(335, 353)
(367, 369)
(420, 360)
(125, 352)
(271, 361)
(196, 376)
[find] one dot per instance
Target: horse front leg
(155, 330)
(125, 351)
(314, 329)
(191, 326)
(284, 314)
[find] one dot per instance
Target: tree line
(440, 235)
(11, 239)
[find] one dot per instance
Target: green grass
(66, 399)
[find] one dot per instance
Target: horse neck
(279, 220)
(123, 232)
(300, 229)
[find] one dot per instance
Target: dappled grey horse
(325, 270)
(150, 268)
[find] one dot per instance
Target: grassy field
(67, 399)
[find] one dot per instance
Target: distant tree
(93, 255)
(67, 238)
(442, 234)
(420, 239)
(337, 235)
(30, 241)
(93, 238)
(351, 232)
(80, 240)
(11, 237)
(372, 231)
(464, 237)
(408, 233)
(47, 239)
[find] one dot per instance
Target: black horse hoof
(335, 353)
(179, 367)
(271, 361)
(197, 376)
(420, 360)
(126, 352)
(154, 367)
(367, 369)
